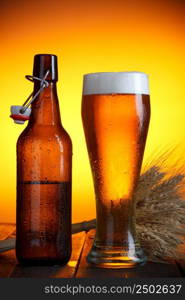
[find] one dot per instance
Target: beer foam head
(116, 83)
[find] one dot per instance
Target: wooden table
(78, 267)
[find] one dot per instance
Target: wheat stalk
(160, 211)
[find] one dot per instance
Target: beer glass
(115, 115)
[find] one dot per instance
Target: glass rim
(116, 73)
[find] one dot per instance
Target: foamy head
(116, 83)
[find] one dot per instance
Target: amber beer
(44, 154)
(115, 113)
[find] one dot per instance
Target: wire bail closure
(20, 114)
(44, 84)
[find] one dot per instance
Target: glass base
(116, 257)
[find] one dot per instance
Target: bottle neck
(45, 108)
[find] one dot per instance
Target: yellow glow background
(90, 36)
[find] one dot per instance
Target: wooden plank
(150, 269)
(154, 270)
(181, 266)
(7, 259)
(66, 271)
(7, 263)
(181, 262)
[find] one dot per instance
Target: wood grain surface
(78, 266)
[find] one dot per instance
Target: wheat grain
(160, 210)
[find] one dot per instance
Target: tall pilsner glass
(115, 114)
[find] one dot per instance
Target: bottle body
(44, 163)
(43, 198)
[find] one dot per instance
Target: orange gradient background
(91, 36)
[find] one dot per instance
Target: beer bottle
(44, 156)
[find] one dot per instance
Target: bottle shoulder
(43, 134)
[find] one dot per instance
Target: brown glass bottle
(44, 158)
